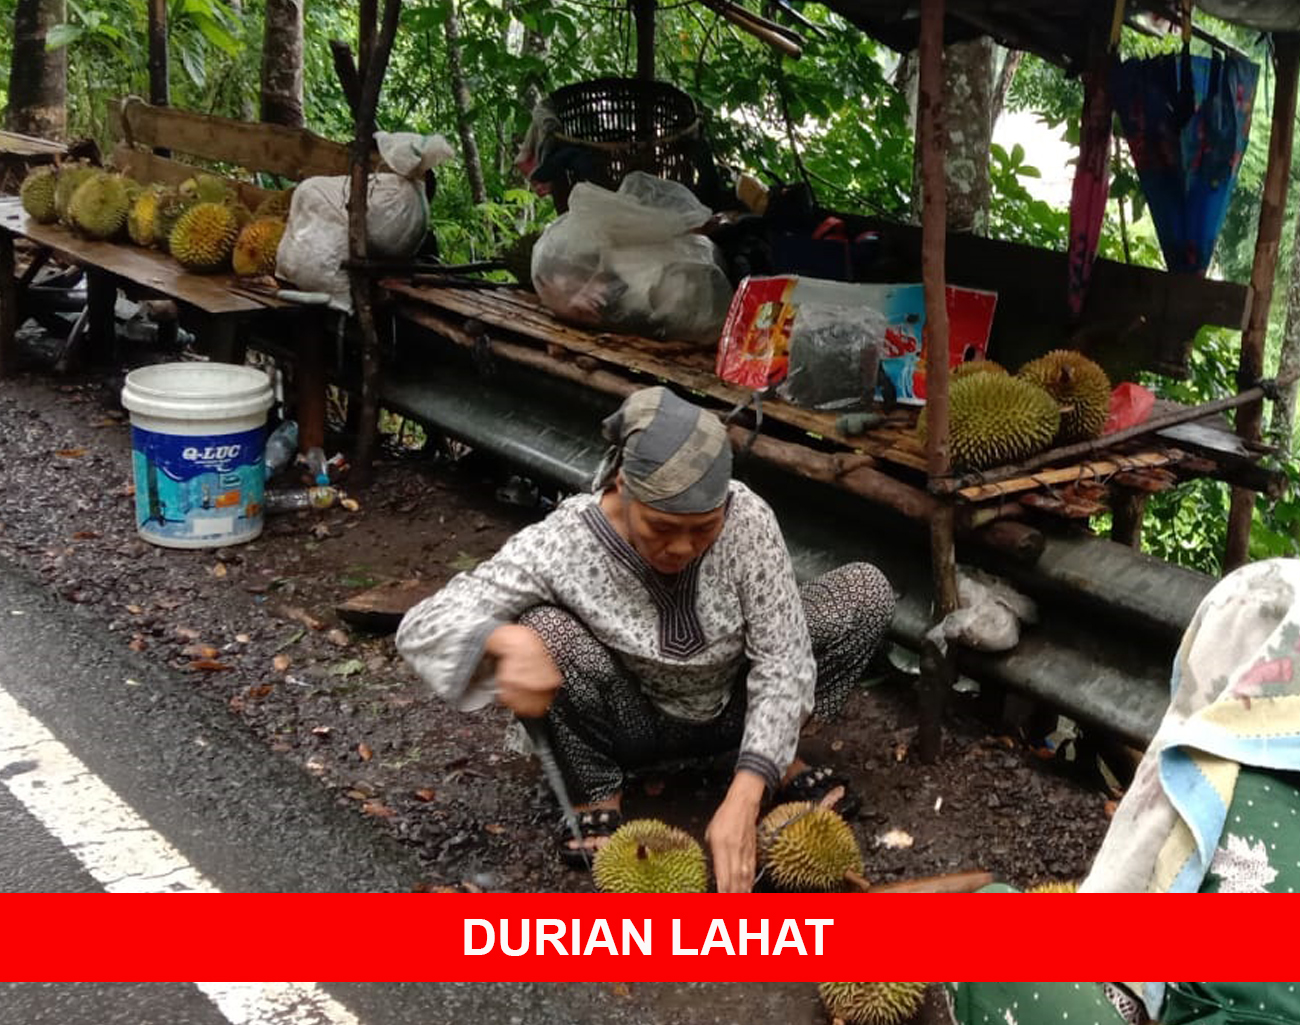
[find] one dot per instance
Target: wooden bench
(214, 306)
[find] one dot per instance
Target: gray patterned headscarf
(675, 456)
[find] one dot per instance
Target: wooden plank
(382, 607)
(145, 267)
(1094, 469)
(294, 153)
(29, 146)
(522, 315)
(146, 166)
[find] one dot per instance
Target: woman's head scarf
(675, 456)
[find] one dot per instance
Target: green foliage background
(837, 106)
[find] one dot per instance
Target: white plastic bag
(990, 614)
(628, 261)
(315, 242)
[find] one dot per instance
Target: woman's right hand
(526, 675)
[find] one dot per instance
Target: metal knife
(539, 735)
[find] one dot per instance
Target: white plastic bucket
(197, 434)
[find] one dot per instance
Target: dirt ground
(254, 627)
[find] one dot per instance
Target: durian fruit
(977, 366)
(1079, 385)
(256, 247)
(994, 419)
(275, 205)
(807, 847)
(204, 237)
(99, 207)
(206, 188)
(37, 194)
(649, 856)
(70, 179)
(142, 220)
(1055, 887)
(171, 206)
(873, 1003)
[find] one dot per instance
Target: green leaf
(63, 35)
(349, 668)
(193, 62)
(464, 562)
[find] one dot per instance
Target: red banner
(592, 937)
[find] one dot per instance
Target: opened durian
(995, 419)
(70, 178)
(256, 247)
(37, 194)
(206, 188)
(204, 237)
(99, 207)
(649, 856)
(873, 1003)
(977, 366)
(1081, 388)
(807, 847)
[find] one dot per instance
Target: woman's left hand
(732, 834)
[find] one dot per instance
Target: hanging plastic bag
(629, 261)
(315, 242)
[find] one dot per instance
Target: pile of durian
(995, 418)
(201, 222)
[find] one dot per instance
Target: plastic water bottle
(280, 447)
(316, 465)
(291, 499)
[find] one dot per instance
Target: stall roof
(1057, 30)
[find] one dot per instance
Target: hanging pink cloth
(1091, 184)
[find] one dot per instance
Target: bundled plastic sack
(628, 261)
(989, 614)
(315, 242)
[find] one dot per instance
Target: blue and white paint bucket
(197, 433)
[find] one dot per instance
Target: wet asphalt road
(250, 820)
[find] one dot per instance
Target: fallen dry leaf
(281, 663)
(187, 633)
(365, 751)
(243, 638)
(137, 643)
(135, 610)
(70, 453)
(495, 828)
(322, 731)
(207, 665)
(1110, 808)
(260, 691)
(350, 504)
(425, 794)
(378, 809)
(200, 651)
(359, 795)
(86, 535)
(302, 616)
(338, 638)
(620, 989)
(219, 570)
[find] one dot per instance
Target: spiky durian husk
(70, 178)
(171, 207)
(873, 1003)
(806, 847)
(1079, 385)
(204, 236)
(977, 366)
(993, 419)
(142, 221)
(37, 194)
(99, 207)
(649, 856)
(1064, 886)
(276, 205)
(256, 247)
(206, 188)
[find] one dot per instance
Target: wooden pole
(934, 232)
(644, 13)
(159, 93)
(8, 307)
(375, 49)
(1271, 215)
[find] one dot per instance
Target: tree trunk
(969, 90)
(282, 63)
(38, 78)
(460, 94)
(1282, 425)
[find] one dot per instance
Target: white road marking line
(124, 854)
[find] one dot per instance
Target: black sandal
(594, 823)
(814, 783)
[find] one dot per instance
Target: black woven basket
(630, 125)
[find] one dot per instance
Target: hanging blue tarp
(1186, 119)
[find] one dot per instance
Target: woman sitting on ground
(658, 619)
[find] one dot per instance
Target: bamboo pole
(375, 49)
(159, 94)
(1271, 215)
